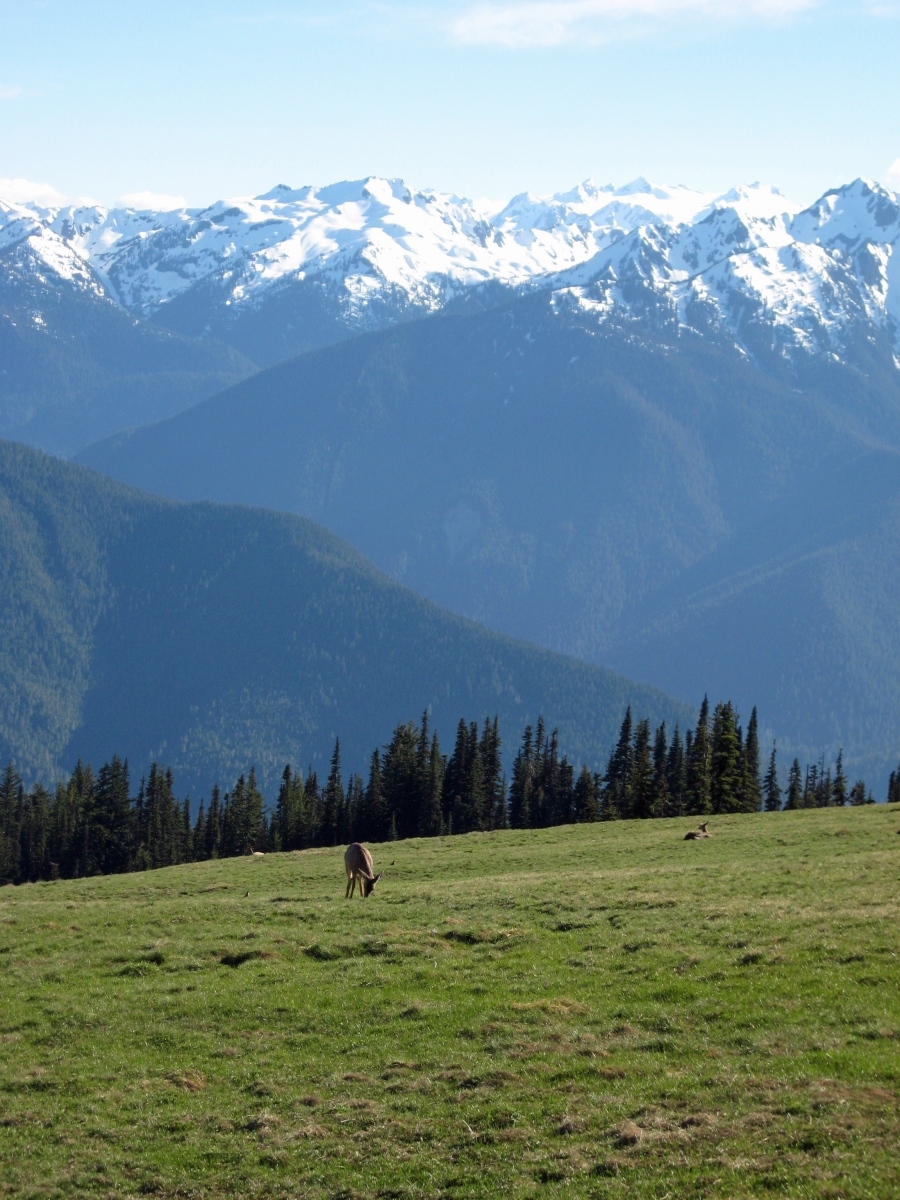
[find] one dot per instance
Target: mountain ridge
(214, 638)
(324, 263)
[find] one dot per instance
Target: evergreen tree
(34, 836)
(586, 800)
(288, 825)
(617, 780)
(794, 791)
(11, 805)
(676, 776)
(662, 798)
(893, 796)
(493, 789)
(354, 806)
(375, 819)
(751, 799)
(641, 790)
(699, 783)
(400, 776)
(726, 761)
(198, 836)
(839, 795)
(464, 800)
(431, 816)
(858, 794)
(522, 783)
(771, 786)
(213, 846)
(112, 835)
(333, 799)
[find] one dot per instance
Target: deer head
(368, 884)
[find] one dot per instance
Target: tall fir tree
(522, 783)
(699, 783)
(839, 793)
(794, 791)
(333, 799)
(726, 761)
(662, 798)
(752, 798)
(641, 789)
(676, 776)
(771, 786)
(617, 780)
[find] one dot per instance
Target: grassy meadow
(585, 1011)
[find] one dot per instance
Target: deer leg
(347, 890)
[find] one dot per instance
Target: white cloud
(552, 22)
(9, 93)
(893, 172)
(25, 191)
(158, 201)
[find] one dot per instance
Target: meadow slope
(598, 1010)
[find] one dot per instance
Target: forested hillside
(215, 638)
(632, 493)
(76, 368)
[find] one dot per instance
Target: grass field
(586, 1011)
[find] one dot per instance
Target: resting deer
(358, 862)
(701, 832)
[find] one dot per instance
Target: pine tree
(333, 799)
(112, 835)
(355, 802)
(431, 816)
(586, 801)
(676, 777)
(617, 780)
(198, 836)
(376, 820)
(522, 783)
(289, 811)
(662, 799)
(35, 834)
(751, 799)
(858, 794)
(771, 786)
(794, 790)
(212, 848)
(726, 765)
(400, 776)
(10, 807)
(699, 799)
(893, 796)
(464, 799)
(839, 795)
(641, 790)
(493, 789)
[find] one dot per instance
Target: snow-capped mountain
(320, 263)
(808, 279)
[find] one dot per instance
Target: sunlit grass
(587, 1011)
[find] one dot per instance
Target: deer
(701, 832)
(358, 862)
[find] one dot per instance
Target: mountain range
(654, 428)
(291, 270)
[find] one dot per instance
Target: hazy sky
(205, 100)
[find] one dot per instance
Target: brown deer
(358, 862)
(701, 832)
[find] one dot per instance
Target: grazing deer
(701, 832)
(358, 862)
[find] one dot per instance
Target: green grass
(585, 1011)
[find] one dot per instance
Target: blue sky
(204, 100)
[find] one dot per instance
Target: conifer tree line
(93, 825)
